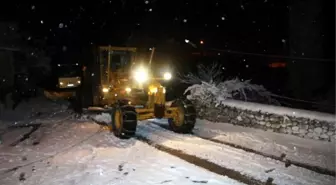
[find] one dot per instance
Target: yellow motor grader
(119, 83)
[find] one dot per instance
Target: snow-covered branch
(209, 87)
(210, 74)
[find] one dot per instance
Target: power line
(299, 100)
(272, 56)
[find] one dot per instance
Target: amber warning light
(277, 65)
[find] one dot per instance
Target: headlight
(79, 81)
(167, 76)
(153, 90)
(105, 90)
(141, 75)
(128, 90)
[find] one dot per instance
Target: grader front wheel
(124, 121)
(185, 117)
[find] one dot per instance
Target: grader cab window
(120, 61)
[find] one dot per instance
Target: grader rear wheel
(185, 117)
(124, 121)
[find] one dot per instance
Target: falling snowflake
(217, 25)
(303, 54)
(247, 66)
(29, 38)
(244, 60)
(185, 20)
(146, 2)
(64, 48)
(150, 10)
(283, 41)
(223, 18)
(218, 53)
(33, 7)
(61, 25)
(265, 1)
(41, 21)
(242, 7)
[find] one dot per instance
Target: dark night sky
(258, 26)
(269, 27)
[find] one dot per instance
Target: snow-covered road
(306, 151)
(255, 166)
(63, 150)
(81, 153)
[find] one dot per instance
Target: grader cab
(120, 83)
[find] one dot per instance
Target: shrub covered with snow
(209, 87)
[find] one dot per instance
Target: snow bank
(34, 108)
(284, 111)
(307, 124)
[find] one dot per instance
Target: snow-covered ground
(64, 150)
(250, 164)
(67, 151)
(307, 151)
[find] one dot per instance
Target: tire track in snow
(215, 168)
(287, 162)
(250, 164)
(283, 159)
(12, 169)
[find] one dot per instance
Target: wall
(307, 124)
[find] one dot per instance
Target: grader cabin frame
(118, 83)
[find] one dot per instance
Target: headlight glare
(105, 90)
(141, 75)
(128, 90)
(167, 76)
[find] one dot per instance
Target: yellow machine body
(148, 97)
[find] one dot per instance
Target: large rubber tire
(188, 111)
(125, 127)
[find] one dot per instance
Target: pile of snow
(33, 108)
(102, 118)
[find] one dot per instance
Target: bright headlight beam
(167, 76)
(141, 75)
(105, 90)
(127, 89)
